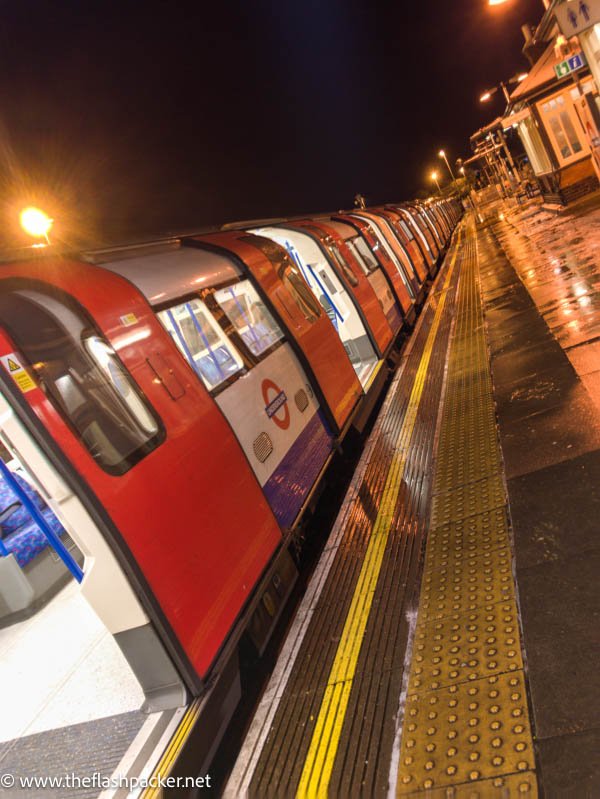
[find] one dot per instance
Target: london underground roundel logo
(276, 404)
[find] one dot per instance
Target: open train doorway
(71, 703)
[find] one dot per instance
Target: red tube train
(190, 395)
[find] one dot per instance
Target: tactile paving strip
(466, 584)
(475, 535)
(466, 647)
(467, 500)
(466, 726)
(511, 787)
(465, 733)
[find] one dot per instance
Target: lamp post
(487, 95)
(442, 154)
(434, 176)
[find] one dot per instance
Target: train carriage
(405, 236)
(351, 268)
(396, 251)
(355, 246)
(428, 245)
(316, 264)
(385, 257)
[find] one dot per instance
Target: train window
(406, 229)
(115, 374)
(344, 265)
(82, 377)
(202, 342)
(250, 317)
(363, 254)
(289, 274)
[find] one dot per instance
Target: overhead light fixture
(35, 222)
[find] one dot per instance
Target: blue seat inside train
(19, 533)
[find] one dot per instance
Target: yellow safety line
(165, 764)
(324, 744)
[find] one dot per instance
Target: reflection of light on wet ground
(558, 258)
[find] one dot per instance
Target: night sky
(134, 119)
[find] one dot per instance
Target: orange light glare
(485, 97)
(434, 175)
(441, 153)
(35, 222)
(522, 76)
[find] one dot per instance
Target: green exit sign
(570, 65)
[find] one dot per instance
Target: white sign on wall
(576, 16)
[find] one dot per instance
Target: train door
(438, 213)
(152, 452)
(394, 220)
(417, 252)
(421, 223)
(383, 234)
(409, 216)
(434, 225)
(348, 269)
(378, 280)
(332, 295)
(67, 612)
(377, 247)
(240, 353)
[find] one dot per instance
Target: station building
(556, 109)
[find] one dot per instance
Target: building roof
(542, 74)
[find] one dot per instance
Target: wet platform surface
(557, 257)
(550, 434)
(447, 641)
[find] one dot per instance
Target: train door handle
(165, 375)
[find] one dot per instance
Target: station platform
(445, 646)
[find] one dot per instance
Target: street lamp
(502, 85)
(434, 176)
(442, 154)
(545, 3)
(35, 223)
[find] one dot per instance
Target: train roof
(169, 271)
(343, 229)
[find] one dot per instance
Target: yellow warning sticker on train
(16, 370)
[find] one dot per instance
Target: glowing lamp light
(496, 2)
(485, 97)
(434, 175)
(522, 76)
(441, 153)
(35, 222)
